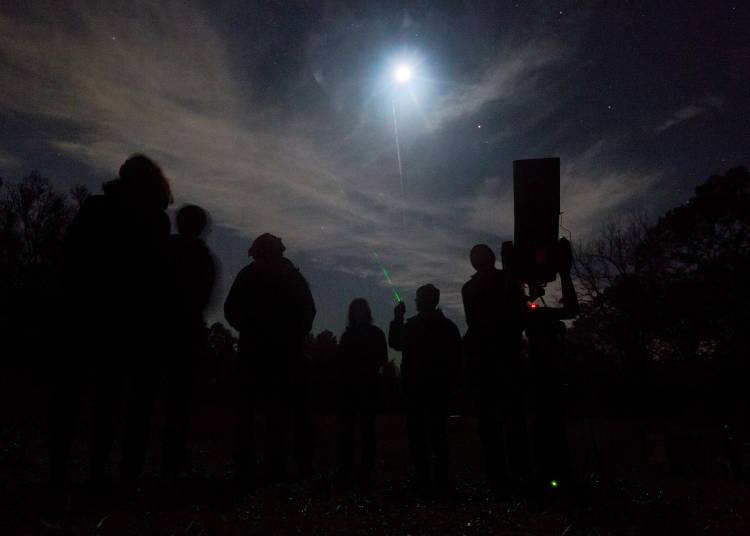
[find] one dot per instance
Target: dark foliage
(33, 221)
(674, 290)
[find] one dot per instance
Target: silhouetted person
(362, 353)
(495, 308)
(271, 306)
(192, 273)
(114, 273)
(431, 355)
(546, 334)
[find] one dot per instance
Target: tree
(700, 253)
(608, 273)
(79, 193)
(33, 221)
(39, 216)
(674, 290)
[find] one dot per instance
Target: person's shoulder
(497, 274)
(96, 214)
(286, 265)
(194, 243)
(95, 204)
(286, 268)
(375, 331)
(447, 321)
(506, 275)
(495, 279)
(414, 320)
(162, 224)
(96, 200)
(177, 240)
(247, 271)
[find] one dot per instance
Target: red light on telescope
(532, 306)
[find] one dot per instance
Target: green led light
(553, 483)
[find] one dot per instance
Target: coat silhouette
(114, 274)
(271, 306)
(362, 353)
(495, 308)
(431, 355)
(192, 273)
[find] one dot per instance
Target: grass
(625, 487)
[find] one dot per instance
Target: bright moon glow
(402, 74)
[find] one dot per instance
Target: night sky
(277, 116)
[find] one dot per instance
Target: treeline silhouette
(663, 329)
(661, 334)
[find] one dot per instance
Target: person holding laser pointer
(431, 357)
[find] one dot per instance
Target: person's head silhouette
(359, 313)
(482, 257)
(266, 247)
(428, 297)
(192, 220)
(142, 182)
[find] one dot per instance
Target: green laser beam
(396, 295)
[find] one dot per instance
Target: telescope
(536, 203)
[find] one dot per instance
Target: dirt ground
(626, 486)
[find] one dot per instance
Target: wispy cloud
(690, 111)
(490, 209)
(150, 86)
(591, 187)
(515, 74)
(137, 80)
(7, 160)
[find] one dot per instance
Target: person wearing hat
(431, 357)
(272, 308)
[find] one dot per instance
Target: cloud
(490, 210)
(160, 79)
(591, 187)
(689, 112)
(7, 160)
(514, 76)
(149, 86)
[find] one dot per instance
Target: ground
(624, 488)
